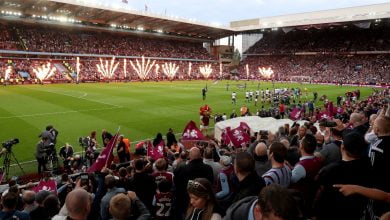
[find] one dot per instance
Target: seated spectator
(203, 205)
(9, 202)
(250, 183)
(273, 202)
(279, 173)
(353, 169)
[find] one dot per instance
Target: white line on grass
(58, 113)
(81, 97)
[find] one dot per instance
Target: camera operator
(50, 135)
(40, 154)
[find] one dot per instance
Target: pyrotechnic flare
(220, 70)
(266, 73)
(247, 71)
(142, 68)
(124, 68)
(107, 71)
(44, 72)
(77, 69)
(8, 71)
(170, 70)
(157, 67)
(206, 70)
(189, 69)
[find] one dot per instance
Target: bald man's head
(261, 149)
(285, 142)
(356, 119)
(382, 126)
(28, 197)
(78, 204)
(195, 153)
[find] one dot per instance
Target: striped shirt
(281, 176)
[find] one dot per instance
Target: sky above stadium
(224, 11)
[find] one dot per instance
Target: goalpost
(300, 79)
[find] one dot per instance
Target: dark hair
(10, 200)
(201, 187)
(122, 172)
(244, 162)
(309, 143)
(275, 199)
(157, 140)
(336, 132)
(279, 151)
(354, 144)
(51, 205)
(139, 164)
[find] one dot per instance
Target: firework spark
(206, 70)
(143, 68)
(124, 67)
(8, 73)
(189, 69)
(107, 71)
(266, 73)
(44, 72)
(170, 70)
(77, 69)
(247, 71)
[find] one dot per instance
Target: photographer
(66, 153)
(50, 135)
(40, 154)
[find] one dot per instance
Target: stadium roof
(360, 13)
(86, 11)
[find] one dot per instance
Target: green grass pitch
(140, 109)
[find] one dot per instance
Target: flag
(191, 132)
(156, 152)
(245, 126)
(295, 114)
(105, 157)
(49, 185)
(324, 115)
(338, 110)
(238, 136)
(225, 138)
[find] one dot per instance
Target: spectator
(203, 205)
(273, 202)
(77, 206)
(353, 169)
(9, 202)
(331, 153)
(262, 164)
(208, 160)
(250, 183)
(161, 172)
(194, 169)
(112, 190)
(128, 207)
(163, 201)
(29, 201)
(143, 184)
(225, 182)
(279, 173)
(40, 212)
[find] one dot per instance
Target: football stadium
(108, 112)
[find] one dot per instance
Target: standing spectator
(143, 184)
(250, 183)
(226, 186)
(380, 158)
(331, 153)
(40, 212)
(9, 202)
(305, 171)
(262, 164)
(203, 205)
(121, 150)
(106, 137)
(208, 159)
(279, 173)
(128, 207)
(161, 173)
(171, 138)
(77, 206)
(112, 190)
(163, 201)
(194, 169)
(352, 169)
(40, 154)
(29, 201)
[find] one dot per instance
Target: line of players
(269, 95)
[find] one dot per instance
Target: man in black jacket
(194, 169)
(250, 184)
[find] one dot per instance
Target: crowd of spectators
(330, 39)
(356, 69)
(336, 171)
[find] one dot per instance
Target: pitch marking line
(58, 113)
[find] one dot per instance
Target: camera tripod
(8, 156)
